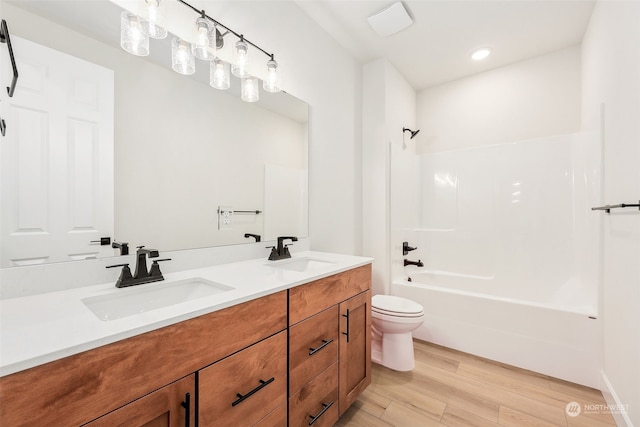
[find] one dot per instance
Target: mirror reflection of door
(57, 158)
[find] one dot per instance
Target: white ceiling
(436, 48)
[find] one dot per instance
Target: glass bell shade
(132, 38)
(152, 20)
(182, 60)
(219, 74)
(249, 89)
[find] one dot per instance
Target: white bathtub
(555, 334)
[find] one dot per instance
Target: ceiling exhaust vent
(390, 20)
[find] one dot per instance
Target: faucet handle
(273, 255)
(406, 248)
(125, 275)
(286, 252)
(155, 267)
(117, 265)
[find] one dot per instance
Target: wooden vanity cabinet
(171, 406)
(83, 387)
(240, 366)
(329, 346)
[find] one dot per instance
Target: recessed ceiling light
(480, 54)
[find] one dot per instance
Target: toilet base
(394, 351)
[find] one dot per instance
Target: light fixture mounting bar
(239, 36)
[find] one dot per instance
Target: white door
(56, 158)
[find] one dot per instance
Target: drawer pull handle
(346, 333)
(262, 385)
(187, 409)
(325, 343)
(324, 409)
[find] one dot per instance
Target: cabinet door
(243, 388)
(170, 406)
(355, 348)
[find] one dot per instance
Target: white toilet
(392, 321)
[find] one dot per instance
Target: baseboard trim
(611, 397)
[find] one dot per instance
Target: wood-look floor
(455, 389)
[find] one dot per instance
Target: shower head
(412, 132)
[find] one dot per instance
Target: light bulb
(480, 54)
(205, 39)
(151, 22)
(219, 75)
(240, 60)
(182, 61)
(250, 89)
(132, 38)
(272, 82)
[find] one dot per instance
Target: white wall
(534, 98)
(388, 106)
(611, 75)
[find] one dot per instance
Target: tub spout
(416, 263)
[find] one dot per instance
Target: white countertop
(42, 328)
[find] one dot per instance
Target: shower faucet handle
(406, 248)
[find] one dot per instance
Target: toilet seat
(389, 305)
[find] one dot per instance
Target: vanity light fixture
(481, 53)
(151, 21)
(240, 59)
(219, 74)
(205, 39)
(250, 89)
(182, 60)
(135, 33)
(132, 38)
(272, 82)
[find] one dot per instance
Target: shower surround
(510, 250)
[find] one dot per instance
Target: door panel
(56, 158)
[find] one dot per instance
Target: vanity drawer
(312, 402)
(313, 347)
(277, 418)
(244, 387)
(307, 300)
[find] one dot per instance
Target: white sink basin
(129, 301)
(304, 264)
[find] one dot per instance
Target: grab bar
(607, 208)
(4, 38)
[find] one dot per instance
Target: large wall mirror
(101, 143)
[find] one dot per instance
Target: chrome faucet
(281, 251)
(142, 275)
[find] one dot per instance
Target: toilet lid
(393, 305)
